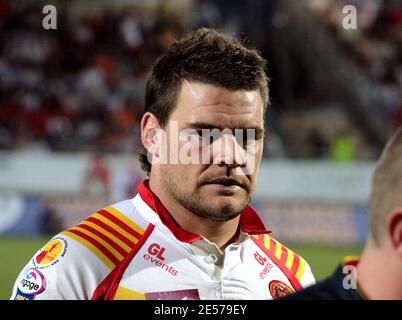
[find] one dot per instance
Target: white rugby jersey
(135, 250)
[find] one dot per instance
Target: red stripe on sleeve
(295, 266)
(120, 223)
(112, 231)
(107, 289)
(290, 274)
(272, 247)
(104, 237)
(105, 251)
(284, 255)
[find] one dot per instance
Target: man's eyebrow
(204, 125)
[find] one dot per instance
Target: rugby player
(190, 232)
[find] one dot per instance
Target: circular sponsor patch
(51, 253)
(279, 289)
(33, 283)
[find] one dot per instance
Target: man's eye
(206, 135)
(245, 137)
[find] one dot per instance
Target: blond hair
(386, 193)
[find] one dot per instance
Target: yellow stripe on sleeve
(125, 219)
(267, 242)
(278, 250)
(289, 260)
(115, 227)
(107, 234)
(300, 270)
(91, 248)
(102, 242)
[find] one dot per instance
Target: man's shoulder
(277, 251)
(110, 233)
(293, 265)
(75, 261)
(101, 241)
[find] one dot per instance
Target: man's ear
(149, 129)
(394, 223)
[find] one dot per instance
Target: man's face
(220, 179)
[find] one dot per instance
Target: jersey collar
(350, 261)
(250, 222)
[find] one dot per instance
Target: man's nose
(228, 152)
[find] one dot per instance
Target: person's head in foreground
(203, 129)
(379, 272)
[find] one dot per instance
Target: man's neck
(377, 275)
(222, 233)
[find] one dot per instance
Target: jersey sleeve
(306, 276)
(63, 269)
(295, 268)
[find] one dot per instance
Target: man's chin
(224, 207)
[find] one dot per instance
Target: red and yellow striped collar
(350, 261)
(250, 222)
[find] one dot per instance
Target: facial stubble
(195, 203)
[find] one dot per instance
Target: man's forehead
(202, 94)
(218, 107)
(206, 103)
(215, 119)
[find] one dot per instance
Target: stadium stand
(80, 87)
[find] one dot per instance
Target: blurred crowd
(81, 87)
(375, 46)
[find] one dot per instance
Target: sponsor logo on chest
(263, 261)
(155, 255)
(270, 277)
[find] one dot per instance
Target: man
(378, 273)
(190, 232)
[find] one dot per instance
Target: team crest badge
(51, 253)
(279, 289)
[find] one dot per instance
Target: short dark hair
(386, 187)
(207, 56)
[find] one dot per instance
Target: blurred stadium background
(71, 101)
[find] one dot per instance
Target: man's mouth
(226, 183)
